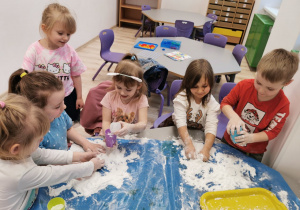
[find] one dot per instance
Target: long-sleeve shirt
(196, 115)
(259, 116)
(19, 178)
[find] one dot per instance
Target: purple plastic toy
(110, 138)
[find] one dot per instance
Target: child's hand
(79, 103)
(190, 151)
(126, 128)
(83, 156)
(205, 155)
(244, 139)
(98, 163)
(235, 123)
(88, 146)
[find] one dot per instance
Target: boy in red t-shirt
(261, 107)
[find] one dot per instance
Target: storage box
(232, 36)
(172, 44)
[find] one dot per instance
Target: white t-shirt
(19, 178)
(196, 116)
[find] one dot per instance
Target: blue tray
(169, 43)
(147, 45)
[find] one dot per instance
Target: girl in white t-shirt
(128, 103)
(22, 127)
(195, 107)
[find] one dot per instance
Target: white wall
(19, 23)
(199, 6)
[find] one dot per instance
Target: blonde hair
(37, 86)
(20, 123)
(130, 66)
(278, 65)
(54, 13)
(195, 71)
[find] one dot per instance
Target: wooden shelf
(232, 14)
(132, 13)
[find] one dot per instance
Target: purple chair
(239, 51)
(212, 16)
(184, 28)
(148, 23)
(165, 31)
(107, 39)
(207, 28)
(215, 39)
(175, 86)
(223, 120)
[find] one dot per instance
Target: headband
(2, 104)
(23, 74)
(132, 77)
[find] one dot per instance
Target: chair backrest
(225, 89)
(207, 27)
(184, 28)
(145, 7)
(156, 77)
(212, 16)
(166, 31)
(107, 38)
(239, 52)
(175, 86)
(215, 39)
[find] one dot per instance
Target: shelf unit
(233, 15)
(130, 10)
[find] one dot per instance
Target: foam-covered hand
(235, 123)
(83, 156)
(204, 154)
(126, 128)
(93, 147)
(190, 151)
(244, 139)
(79, 103)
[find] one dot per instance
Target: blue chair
(223, 120)
(148, 23)
(165, 31)
(107, 39)
(175, 86)
(184, 28)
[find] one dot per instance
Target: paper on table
(177, 56)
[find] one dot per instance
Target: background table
(158, 184)
(170, 16)
(221, 59)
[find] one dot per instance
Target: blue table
(157, 182)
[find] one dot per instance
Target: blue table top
(158, 181)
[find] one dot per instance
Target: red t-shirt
(267, 116)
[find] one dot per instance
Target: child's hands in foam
(126, 128)
(235, 123)
(204, 154)
(89, 146)
(190, 151)
(83, 156)
(98, 163)
(244, 139)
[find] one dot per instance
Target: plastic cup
(110, 138)
(57, 203)
(235, 135)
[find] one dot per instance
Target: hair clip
(132, 77)
(133, 58)
(2, 104)
(23, 74)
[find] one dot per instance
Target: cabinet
(258, 37)
(130, 10)
(232, 15)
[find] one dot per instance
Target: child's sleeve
(211, 123)
(180, 108)
(143, 102)
(29, 59)
(106, 101)
(77, 66)
(41, 176)
(52, 156)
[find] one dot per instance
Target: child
(53, 54)
(261, 108)
(22, 128)
(47, 92)
(195, 107)
(126, 104)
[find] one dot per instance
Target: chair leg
(161, 104)
(230, 77)
(169, 95)
(138, 31)
(110, 66)
(99, 70)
